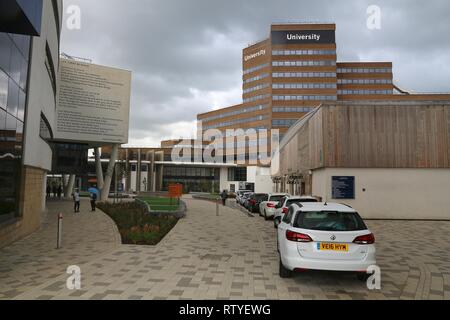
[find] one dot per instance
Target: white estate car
(321, 236)
(267, 208)
(282, 208)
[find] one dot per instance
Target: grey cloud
(183, 53)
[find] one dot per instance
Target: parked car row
(314, 235)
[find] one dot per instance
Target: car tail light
(365, 239)
(297, 237)
(285, 210)
(253, 202)
(270, 205)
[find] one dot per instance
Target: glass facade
(193, 179)
(14, 56)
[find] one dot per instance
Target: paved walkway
(33, 261)
(209, 257)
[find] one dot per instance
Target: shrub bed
(137, 227)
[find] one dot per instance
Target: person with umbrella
(94, 195)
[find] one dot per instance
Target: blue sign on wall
(343, 187)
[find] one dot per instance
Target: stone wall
(30, 206)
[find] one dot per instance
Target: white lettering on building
(255, 55)
(314, 36)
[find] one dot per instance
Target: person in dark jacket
(59, 192)
(224, 197)
(93, 201)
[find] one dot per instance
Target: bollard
(59, 235)
(217, 207)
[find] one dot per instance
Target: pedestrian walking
(59, 192)
(49, 191)
(76, 201)
(55, 191)
(93, 201)
(224, 196)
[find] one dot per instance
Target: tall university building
(292, 72)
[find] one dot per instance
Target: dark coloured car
(255, 200)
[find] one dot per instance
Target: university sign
(304, 37)
(255, 55)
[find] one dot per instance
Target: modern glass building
(14, 62)
(29, 60)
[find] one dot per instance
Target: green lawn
(161, 204)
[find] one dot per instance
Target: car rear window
(291, 202)
(276, 198)
(329, 221)
(261, 197)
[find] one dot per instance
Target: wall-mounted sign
(343, 187)
(255, 55)
(93, 103)
(304, 37)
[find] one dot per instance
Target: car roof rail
(344, 204)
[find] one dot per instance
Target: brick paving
(232, 256)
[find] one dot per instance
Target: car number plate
(332, 247)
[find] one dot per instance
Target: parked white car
(321, 236)
(267, 208)
(282, 208)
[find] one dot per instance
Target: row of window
(305, 98)
(292, 109)
(257, 78)
(364, 81)
(234, 122)
(341, 92)
(304, 86)
(189, 172)
(364, 70)
(236, 112)
(256, 68)
(256, 88)
(284, 122)
(304, 75)
(256, 98)
(246, 144)
(315, 63)
(12, 97)
(302, 52)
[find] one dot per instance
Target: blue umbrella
(94, 190)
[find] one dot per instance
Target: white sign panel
(93, 103)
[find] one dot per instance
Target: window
(50, 67)
(45, 131)
(330, 221)
(288, 217)
(256, 68)
(302, 63)
(237, 174)
(14, 52)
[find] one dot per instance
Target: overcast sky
(186, 55)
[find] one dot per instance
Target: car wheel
(284, 273)
(363, 277)
(265, 216)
